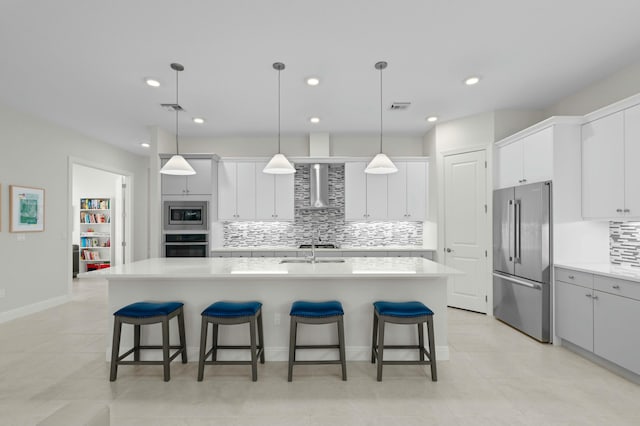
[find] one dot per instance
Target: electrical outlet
(277, 318)
(3, 293)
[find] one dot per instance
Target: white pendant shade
(279, 165)
(381, 165)
(177, 165)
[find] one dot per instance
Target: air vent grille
(172, 107)
(400, 105)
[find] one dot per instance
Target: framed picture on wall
(26, 209)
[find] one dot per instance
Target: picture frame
(26, 209)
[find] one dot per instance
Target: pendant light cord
(177, 103)
(381, 68)
(279, 111)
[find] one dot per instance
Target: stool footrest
(317, 347)
(132, 350)
(228, 363)
(406, 362)
(337, 361)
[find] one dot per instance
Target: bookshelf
(95, 233)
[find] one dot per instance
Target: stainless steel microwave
(185, 216)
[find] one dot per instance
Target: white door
(465, 229)
(284, 197)
(355, 191)
(265, 190)
(246, 190)
(376, 197)
(509, 165)
(631, 160)
(227, 190)
(416, 191)
(537, 156)
(201, 183)
(397, 192)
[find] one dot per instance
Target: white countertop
(296, 249)
(213, 268)
(605, 269)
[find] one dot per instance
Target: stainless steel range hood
(319, 186)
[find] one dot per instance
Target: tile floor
(496, 376)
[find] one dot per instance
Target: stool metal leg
(432, 350)
(165, 349)
(260, 337)
(203, 348)
(380, 347)
(343, 358)
(214, 339)
(254, 355)
(293, 329)
(181, 332)
(136, 342)
(374, 339)
(421, 340)
(115, 348)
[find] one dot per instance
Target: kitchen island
(357, 282)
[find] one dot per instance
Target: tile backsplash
(329, 223)
(624, 243)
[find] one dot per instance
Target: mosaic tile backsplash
(624, 243)
(328, 223)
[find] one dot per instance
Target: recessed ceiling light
(145, 144)
(432, 119)
(471, 81)
(152, 82)
(198, 120)
(314, 120)
(313, 81)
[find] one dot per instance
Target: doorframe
(488, 237)
(128, 195)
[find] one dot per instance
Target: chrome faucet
(315, 235)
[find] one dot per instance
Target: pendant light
(177, 165)
(279, 165)
(381, 164)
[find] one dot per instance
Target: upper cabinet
(610, 156)
(199, 184)
(274, 195)
(398, 196)
(527, 159)
(246, 193)
(407, 191)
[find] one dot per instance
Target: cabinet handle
(618, 210)
(595, 297)
(617, 287)
(589, 295)
(626, 210)
(524, 180)
(571, 277)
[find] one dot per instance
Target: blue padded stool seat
(231, 313)
(402, 309)
(232, 309)
(144, 313)
(303, 312)
(148, 309)
(316, 309)
(411, 313)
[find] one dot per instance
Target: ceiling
(82, 63)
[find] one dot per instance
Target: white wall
(36, 271)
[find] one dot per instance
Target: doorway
(466, 229)
(102, 232)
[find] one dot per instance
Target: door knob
(449, 250)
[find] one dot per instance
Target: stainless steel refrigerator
(522, 258)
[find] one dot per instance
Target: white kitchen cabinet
(610, 173)
(407, 191)
(274, 195)
(199, 184)
(603, 167)
(526, 160)
(365, 194)
(236, 190)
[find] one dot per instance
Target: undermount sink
(311, 261)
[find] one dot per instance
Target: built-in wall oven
(186, 245)
(185, 215)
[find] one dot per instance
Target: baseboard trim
(33, 308)
(604, 363)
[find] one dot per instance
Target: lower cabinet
(602, 318)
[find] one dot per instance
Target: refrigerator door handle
(510, 218)
(517, 240)
(517, 281)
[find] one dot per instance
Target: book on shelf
(95, 204)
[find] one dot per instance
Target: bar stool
(316, 313)
(403, 313)
(143, 313)
(230, 313)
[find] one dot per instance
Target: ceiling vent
(172, 107)
(399, 106)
